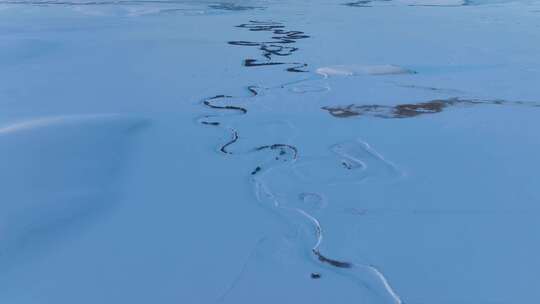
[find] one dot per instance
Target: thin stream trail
(282, 44)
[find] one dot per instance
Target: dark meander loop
(272, 48)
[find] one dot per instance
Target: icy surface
(351, 70)
(377, 151)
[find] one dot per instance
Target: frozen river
(374, 151)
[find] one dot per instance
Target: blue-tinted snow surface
(379, 151)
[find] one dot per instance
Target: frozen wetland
(272, 151)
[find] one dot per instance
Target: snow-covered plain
(378, 151)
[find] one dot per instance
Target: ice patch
(370, 3)
(433, 2)
(353, 70)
